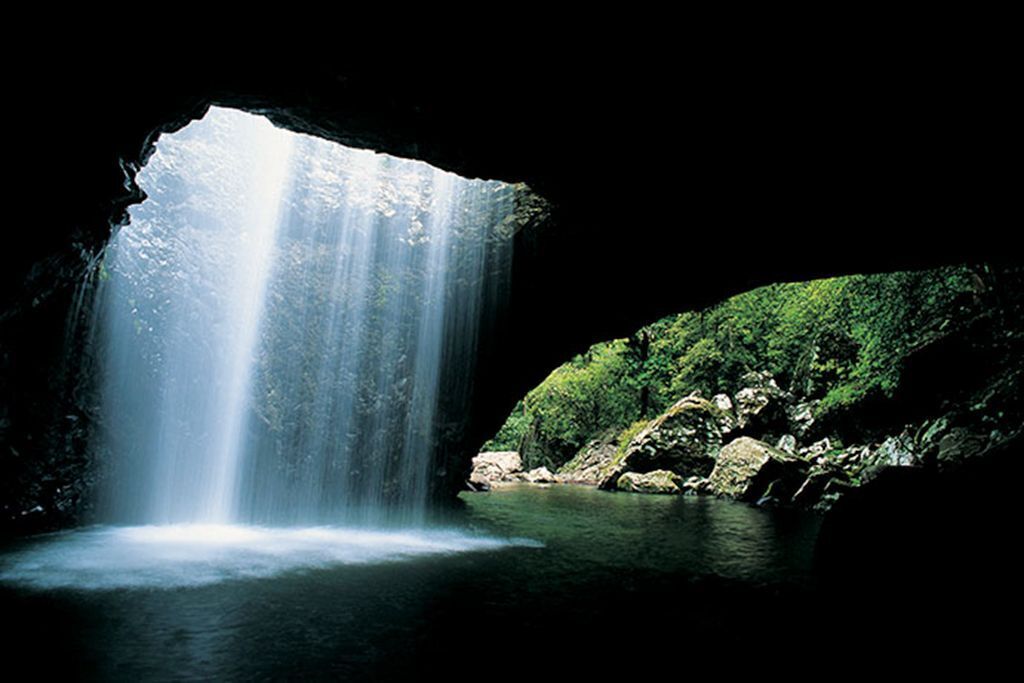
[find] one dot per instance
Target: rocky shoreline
(763, 446)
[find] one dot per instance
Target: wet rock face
(746, 469)
(898, 451)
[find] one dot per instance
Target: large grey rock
(695, 485)
(761, 404)
(746, 469)
(801, 417)
(816, 449)
(539, 475)
(897, 451)
(727, 422)
(658, 481)
(492, 467)
(787, 442)
(588, 465)
(685, 440)
(893, 452)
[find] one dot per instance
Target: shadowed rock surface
(748, 469)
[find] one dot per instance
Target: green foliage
(510, 436)
(579, 400)
(626, 435)
(838, 340)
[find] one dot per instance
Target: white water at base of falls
(182, 555)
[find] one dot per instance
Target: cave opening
(291, 495)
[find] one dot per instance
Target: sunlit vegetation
(838, 340)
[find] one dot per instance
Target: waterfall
(285, 324)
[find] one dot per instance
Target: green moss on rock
(658, 481)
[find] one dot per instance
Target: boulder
(588, 465)
(816, 449)
(897, 451)
(787, 442)
(820, 480)
(727, 422)
(801, 417)
(685, 440)
(958, 446)
(747, 469)
(539, 475)
(761, 404)
(695, 485)
(658, 481)
(478, 484)
(492, 467)
(930, 434)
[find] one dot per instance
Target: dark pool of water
(621, 583)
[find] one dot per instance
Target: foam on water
(174, 556)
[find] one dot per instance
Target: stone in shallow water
(684, 440)
(539, 475)
(658, 481)
(587, 466)
(746, 469)
(494, 466)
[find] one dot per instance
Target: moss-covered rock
(685, 440)
(658, 481)
(746, 469)
(587, 466)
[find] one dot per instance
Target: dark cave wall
(670, 189)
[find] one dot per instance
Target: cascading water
(282, 325)
(282, 331)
